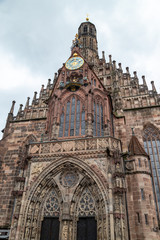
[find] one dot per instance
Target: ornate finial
(76, 42)
(87, 18)
(76, 36)
(12, 107)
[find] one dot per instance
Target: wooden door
(50, 229)
(87, 228)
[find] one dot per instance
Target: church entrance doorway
(87, 228)
(50, 229)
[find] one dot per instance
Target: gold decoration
(87, 18)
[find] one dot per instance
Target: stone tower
(87, 35)
(66, 170)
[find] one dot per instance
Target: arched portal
(56, 199)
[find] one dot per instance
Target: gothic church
(81, 161)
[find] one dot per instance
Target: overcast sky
(36, 36)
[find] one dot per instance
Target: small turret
(140, 196)
(9, 118)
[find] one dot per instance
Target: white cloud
(14, 75)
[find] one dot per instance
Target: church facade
(82, 160)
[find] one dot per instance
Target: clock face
(74, 63)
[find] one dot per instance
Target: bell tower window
(84, 42)
(85, 29)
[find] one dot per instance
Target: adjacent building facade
(82, 160)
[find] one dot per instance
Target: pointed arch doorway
(50, 224)
(87, 224)
(87, 228)
(50, 228)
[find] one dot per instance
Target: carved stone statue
(65, 231)
(70, 230)
(27, 232)
(118, 229)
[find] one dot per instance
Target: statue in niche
(65, 231)
(14, 228)
(117, 204)
(27, 232)
(118, 182)
(34, 229)
(70, 230)
(30, 210)
(18, 205)
(37, 209)
(118, 169)
(118, 229)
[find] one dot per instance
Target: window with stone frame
(151, 138)
(86, 206)
(85, 28)
(98, 123)
(146, 219)
(72, 119)
(51, 206)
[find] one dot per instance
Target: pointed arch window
(98, 124)
(86, 204)
(151, 138)
(61, 124)
(72, 119)
(51, 207)
(85, 29)
(84, 42)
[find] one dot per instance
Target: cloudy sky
(36, 36)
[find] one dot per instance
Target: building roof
(135, 148)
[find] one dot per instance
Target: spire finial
(87, 18)
(12, 107)
(76, 36)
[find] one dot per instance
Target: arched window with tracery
(86, 207)
(72, 119)
(50, 224)
(51, 206)
(151, 138)
(98, 124)
(87, 224)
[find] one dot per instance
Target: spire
(127, 70)
(20, 108)
(153, 86)
(27, 102)
(135, 148)
(144, 81)
(12, 107)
